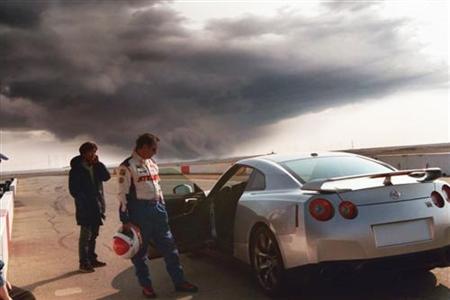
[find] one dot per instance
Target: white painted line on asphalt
(68, 292)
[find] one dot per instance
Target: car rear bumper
(419, 260)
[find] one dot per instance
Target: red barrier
(185, 169)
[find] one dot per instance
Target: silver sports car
(320, 214)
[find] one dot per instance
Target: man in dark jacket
(86, 186)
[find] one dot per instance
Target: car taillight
(446, 192)
(348, 210)
(321, 209)
(437, 199)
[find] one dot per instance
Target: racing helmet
(126, 243)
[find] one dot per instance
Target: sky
(216, 79)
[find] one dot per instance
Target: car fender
(283, 217)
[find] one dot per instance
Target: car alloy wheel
(266, 261)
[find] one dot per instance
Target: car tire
(266, 260)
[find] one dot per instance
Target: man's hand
(127, 226)
(93, 160)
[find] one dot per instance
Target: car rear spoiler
(422, 175)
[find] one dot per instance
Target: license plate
(402, 232)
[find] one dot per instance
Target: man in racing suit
(142, 204)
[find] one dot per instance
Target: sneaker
(148, 292)
(86, 268)
(186, 287)
(98, 264)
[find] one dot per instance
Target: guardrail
(187, 169)
(8, 190)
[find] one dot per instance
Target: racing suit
(142, 204)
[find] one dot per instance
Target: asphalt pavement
(44, 259)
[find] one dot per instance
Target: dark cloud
(24, 14)
(352, 6)
(113, 70)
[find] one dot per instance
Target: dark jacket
(89, 198)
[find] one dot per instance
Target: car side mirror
(183, 189)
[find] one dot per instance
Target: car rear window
(313, 168)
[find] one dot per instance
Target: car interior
(225, 201)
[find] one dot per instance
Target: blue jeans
(152, 219)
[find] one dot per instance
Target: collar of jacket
(137, 157)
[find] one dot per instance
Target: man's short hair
(86, 147)
(146, 139)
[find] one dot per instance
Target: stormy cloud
(112, 70)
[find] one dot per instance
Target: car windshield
(313, 168)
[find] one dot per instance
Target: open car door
(189, 218)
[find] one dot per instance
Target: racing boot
(186, 286)
(148, 292)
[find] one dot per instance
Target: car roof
(279, 158)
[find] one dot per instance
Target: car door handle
(191, 203)
(187, 200)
